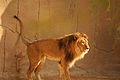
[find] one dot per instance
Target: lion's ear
(75, 38)
(84, 35)
(77, 35)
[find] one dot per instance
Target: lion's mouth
(84, 52)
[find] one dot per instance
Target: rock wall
(55, 18)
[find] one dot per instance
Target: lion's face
(82, 43)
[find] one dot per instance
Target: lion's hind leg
(39, 67)
(35, 58)
(30, 71)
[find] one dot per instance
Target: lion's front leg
(64, 71)
(61, 72)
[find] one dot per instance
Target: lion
(65, 51)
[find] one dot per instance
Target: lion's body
(66, 51)
(48, 48)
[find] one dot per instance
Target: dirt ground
(81, 72)
(76, 74)
(85, 78)
(73, 78)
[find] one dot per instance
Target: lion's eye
(82, 43)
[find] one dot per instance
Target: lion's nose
(88, 47)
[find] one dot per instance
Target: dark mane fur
(65, 43)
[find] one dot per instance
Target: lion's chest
(79, 55)
(73, 61)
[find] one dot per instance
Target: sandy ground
(50, 72)
(73, 78)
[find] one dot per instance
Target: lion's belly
(53, 58)
(54, 55)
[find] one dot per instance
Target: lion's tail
(21, 32)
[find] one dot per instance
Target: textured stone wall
(41, 18)
(55, 18)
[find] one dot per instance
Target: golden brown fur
(66, 51)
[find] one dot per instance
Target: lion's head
(82, 46)
(75, 45)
